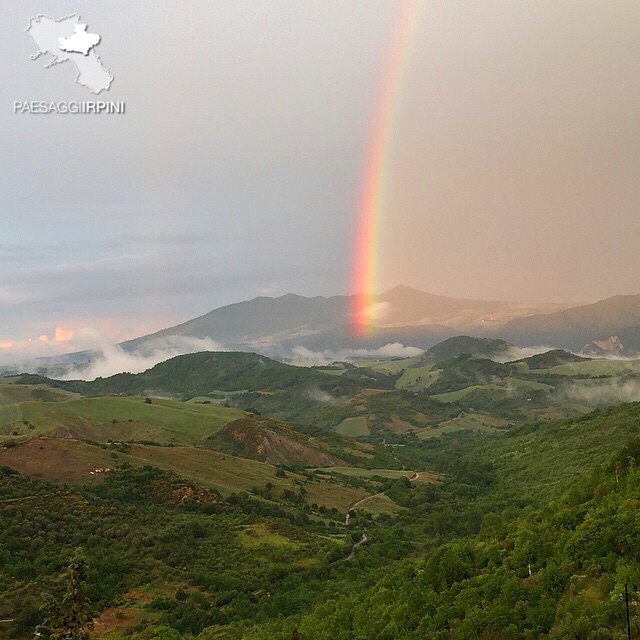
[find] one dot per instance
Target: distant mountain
(343, 338)
(411, 307)
(261, 322)
(284, 326)
(573, 328)
(266, 324)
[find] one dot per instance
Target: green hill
(552, 358)
(115, 418)
(200, 374)
(465, 370)
(460, 345)
(507, 534)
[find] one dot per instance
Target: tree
(69, 617)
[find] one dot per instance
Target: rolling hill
(201, 374)
(229, 523)
(460, 345)
(444, 388)
(270, 441)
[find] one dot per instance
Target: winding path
(356, 545)
(354, 505)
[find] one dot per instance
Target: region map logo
(67, 40)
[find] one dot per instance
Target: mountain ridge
(572, 328)
(264, 322)
(279, 327)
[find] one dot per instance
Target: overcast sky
(236, 169)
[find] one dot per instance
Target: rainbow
(364, 278)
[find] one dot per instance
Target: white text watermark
(64, 107)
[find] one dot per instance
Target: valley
(219, 492)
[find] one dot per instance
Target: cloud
(603, 393)
(518, 353)
(62, 335)
(320, 396)
(12, 296)
(111, 358)
(97, 356)
(306, 357)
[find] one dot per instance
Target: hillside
(264, 321)
(215, 522)
(270, 441)
(373, 399)
(148, 536)
(279, 327)
(554, 570)
(115, 418)
(557, 572)
(411, 307)
(575, 327)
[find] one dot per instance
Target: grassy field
(353, 427)
(116, 418)
(460, 394)
(481, 422)
(516, 384)
(59, 460)
(381, 504)
(368, 473)
(391, 367)
(332, 370)
(260, 535)
(418, 378)
(11, 393)
(504, 388)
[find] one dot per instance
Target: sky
(236, 171)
